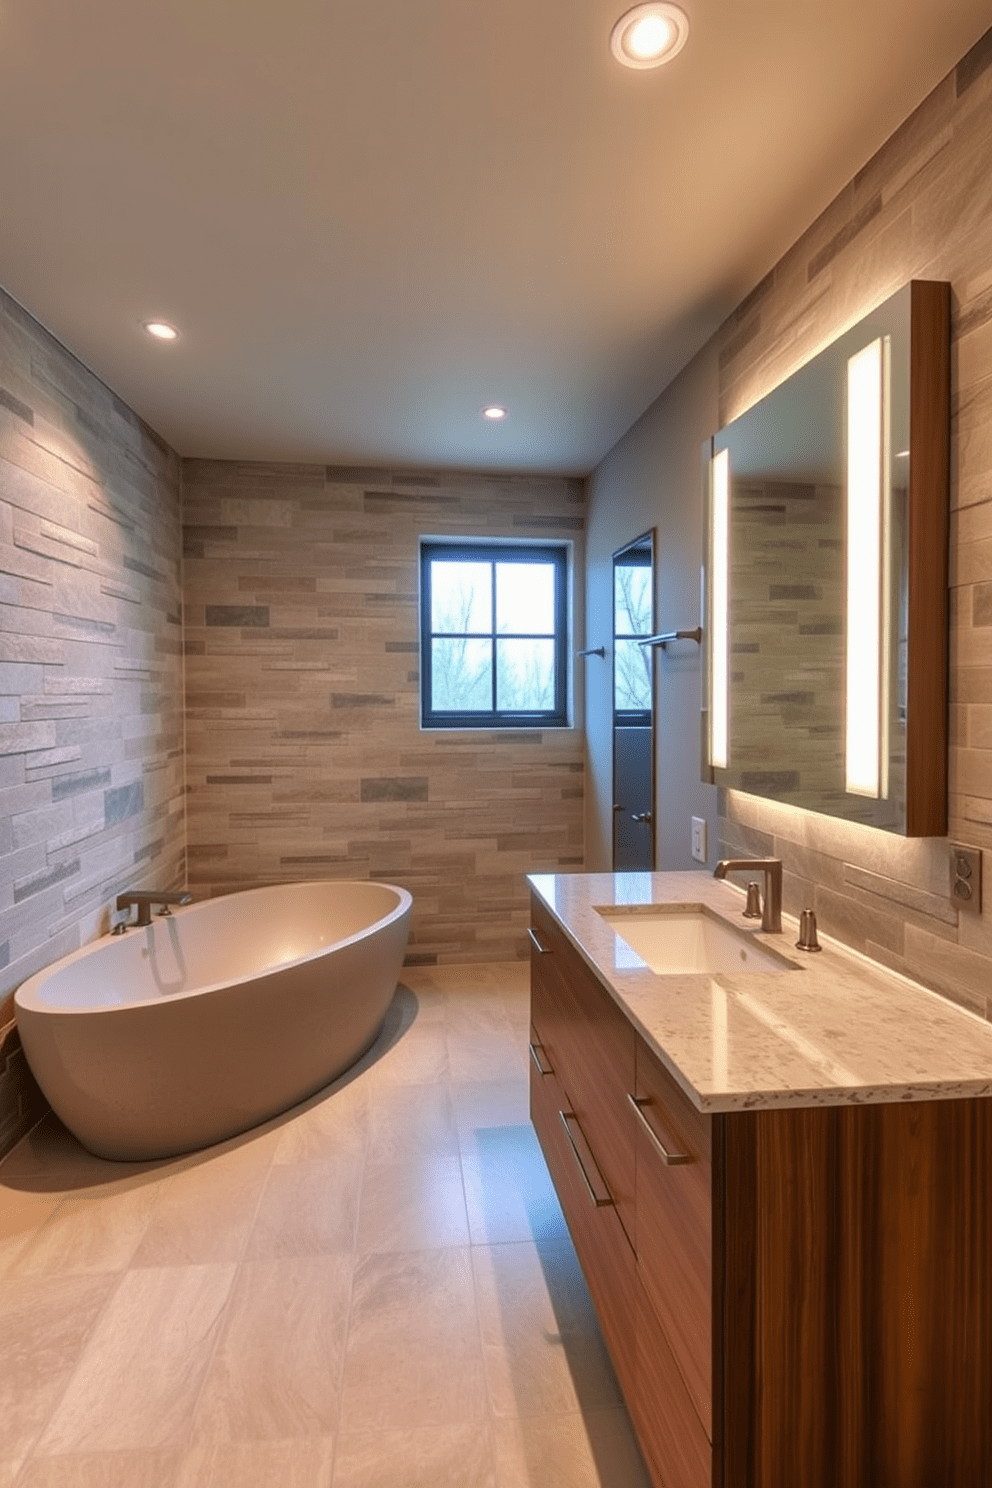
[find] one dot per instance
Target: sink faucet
(771, 906)
(145, 900)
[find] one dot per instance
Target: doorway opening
(633, 706)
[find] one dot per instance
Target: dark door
(633, 706)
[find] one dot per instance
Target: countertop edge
(771, 1096)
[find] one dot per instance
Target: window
(493, 628)
(633, 616)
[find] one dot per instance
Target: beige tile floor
(377, 1288)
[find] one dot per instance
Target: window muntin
(493, 635)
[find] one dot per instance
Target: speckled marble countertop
(840, 1029)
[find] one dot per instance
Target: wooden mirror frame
(928, 500)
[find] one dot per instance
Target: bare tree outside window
(461, 663)
(633, 617)
(496, 635)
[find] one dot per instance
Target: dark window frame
(494, 552)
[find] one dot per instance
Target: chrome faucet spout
(145, 900)
(771, 906)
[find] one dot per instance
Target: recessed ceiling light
(161, 330)
(650, 34)
(494, 412)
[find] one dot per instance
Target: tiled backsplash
(305, 756)
(921, 208)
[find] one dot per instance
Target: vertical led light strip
(719, 616)
(866, 669)
(885, 625)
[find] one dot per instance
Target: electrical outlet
(699, 838)
(966, 877)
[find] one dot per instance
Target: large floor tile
(253, 1149)
(410, 1121)
(21, 1216)
(44, 1324)
(543, 1349)
(478, 1057)
(90, 1234)
(486, 1111)
(416, 1204)
(522, 1037)
(202, 1216)
(596, 1450)
(413, 1356)
(332, 1125)
(518, 1016)
(235, 1350)
(102, 1470)
(420, 1057)
(481, 1013)
(515, 991)
(406, 1009)
(461, 980)
(513, 977)
(307, 1208)
(427, 1457)
(137, 1381)
(509, 1193)
(49, 1158)
(425, 1001)
(277, 1368)
(306, 1462)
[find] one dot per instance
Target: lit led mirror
(826, 578)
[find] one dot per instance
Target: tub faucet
(771, 906)
(145, 900)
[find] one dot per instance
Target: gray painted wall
(652, 479)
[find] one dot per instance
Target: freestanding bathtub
(214, 1018)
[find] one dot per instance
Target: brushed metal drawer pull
(541, 950)
(601, 1203)
(673, 1159)
(537, 1059)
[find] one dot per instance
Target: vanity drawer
(602, 1247)
(548, 996)
(674, 1237)
(590, 1045)
(677, 1448)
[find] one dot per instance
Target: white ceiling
(368, 220)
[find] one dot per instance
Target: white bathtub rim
(27, 998)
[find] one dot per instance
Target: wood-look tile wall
(305, 758)
(91, 737)
(921, 208)
(787, 587)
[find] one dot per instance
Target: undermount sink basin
(689, 938)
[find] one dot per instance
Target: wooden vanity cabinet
(676, 1448)
(584, 1033)
(674, 1235)
(854, 1340)
(600, 1242)
(805, 1298)
(582, 1069)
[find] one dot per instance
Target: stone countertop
(839, 1029)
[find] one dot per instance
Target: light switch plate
(966, 877)
(699, 838)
